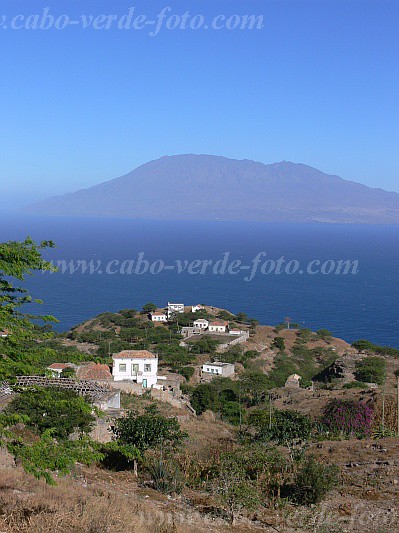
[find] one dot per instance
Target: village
(137, 371)
(229, 383)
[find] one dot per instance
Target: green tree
(279, 343)
(46, 455)
(18, 260)
(313, 481)
(204, 397)
(323, 334)
(371, 370)
(59, 410)
(242, 317)
(68, 372)
(254, 386)
(286, 428)
(148, 430)
(150, 307)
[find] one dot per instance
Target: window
(122, 368)
(147, 368)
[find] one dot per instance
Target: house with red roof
(138, 366)
(218, 326)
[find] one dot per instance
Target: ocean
(341, 277)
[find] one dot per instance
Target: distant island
(204, 187)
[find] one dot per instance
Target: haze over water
(364, 305)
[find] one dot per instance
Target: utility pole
(397, 405)
(270, 410)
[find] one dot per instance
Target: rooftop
(219, 323)
(59, 366)
(134, 354)
(217, 363)
(94, 371)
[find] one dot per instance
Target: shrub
(355, 385)
(165, 475)
(204, 397)
(287, 427)
(46, 455)
(323, 334)
(363, 345)
(61, 411)
(233, 412)
(148, 430)
(187, 372)
(279, 343)
(313, 481)
(349, 417)
(371, 370)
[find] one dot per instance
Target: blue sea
(360, 304)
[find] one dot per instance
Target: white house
(56, 368)
(201, 323)
(175, 308)
(140, 366)
(236, 331)
(218, 369)
(196, 308)
(158, 316)
(218, 326)
(4, 334)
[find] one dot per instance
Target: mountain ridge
(207, 187)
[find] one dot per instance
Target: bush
(355, 385)
(287, 427)
(187, 372)
(165, 476)
(233, 412)
(371, 370)
(279, 343)
(323, 334)
(367, 346)
(313, 481)
(59, 410)
(148, 430)
(349, 417)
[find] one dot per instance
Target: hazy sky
(319, 84)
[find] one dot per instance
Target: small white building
(4, 334)
(201, 323)
(218, 369)
(158, 316)
(139, 366)
(55, 369)
(196, 308)
(174, 308)
(219, 326)
(236, 331)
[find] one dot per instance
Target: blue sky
(319, 84)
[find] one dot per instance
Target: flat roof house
(236, 331)
(139, 366)
(158, 316)
(218, 326)
(174, 308)
(218, 369)
(201, 323)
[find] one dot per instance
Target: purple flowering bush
(349, 417)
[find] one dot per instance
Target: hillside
(203, 187)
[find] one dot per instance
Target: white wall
(150, 375)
